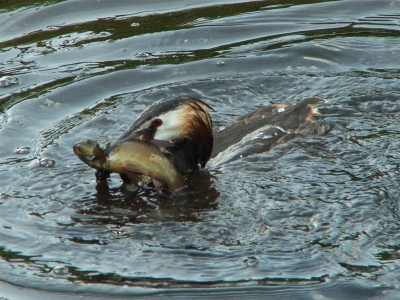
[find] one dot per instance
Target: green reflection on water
(11, 5)
(11, 256)
(122, 27)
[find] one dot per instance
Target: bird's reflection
(120, 206)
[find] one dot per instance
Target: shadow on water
(119, 206)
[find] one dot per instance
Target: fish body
(134, 159)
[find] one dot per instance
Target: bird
(180, 127)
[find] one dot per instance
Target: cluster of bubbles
(43, 162)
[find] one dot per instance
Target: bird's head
(181, 127)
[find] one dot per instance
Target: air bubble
(46, 162)
(142, 54)
(51, 28)
(60, 270)
(104, 33)
(8, 80)
(22, 150)
(251, 261)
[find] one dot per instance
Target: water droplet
(60, 270)
(8, 80)
(48, 102)
(104, 33)
(221, 128)
(51, 27)
(79, 77)
(45, 162)
(279, 109)
(22, 150)
(142, 54)
(251, 261)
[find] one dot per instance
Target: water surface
(316, 218)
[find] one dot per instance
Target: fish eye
(157, 122)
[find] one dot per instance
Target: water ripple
(316, 217)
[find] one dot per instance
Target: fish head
(90, 153)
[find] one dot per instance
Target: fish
(135, 159)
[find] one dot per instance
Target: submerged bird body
(280, 122)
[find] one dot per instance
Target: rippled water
(316, 218)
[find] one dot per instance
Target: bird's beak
(147, 134)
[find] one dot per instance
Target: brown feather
(195, 142)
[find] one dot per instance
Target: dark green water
(316, 218)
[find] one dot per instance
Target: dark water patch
(8, 6)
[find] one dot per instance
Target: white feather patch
(171, 126)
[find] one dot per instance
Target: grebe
(179, 131)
